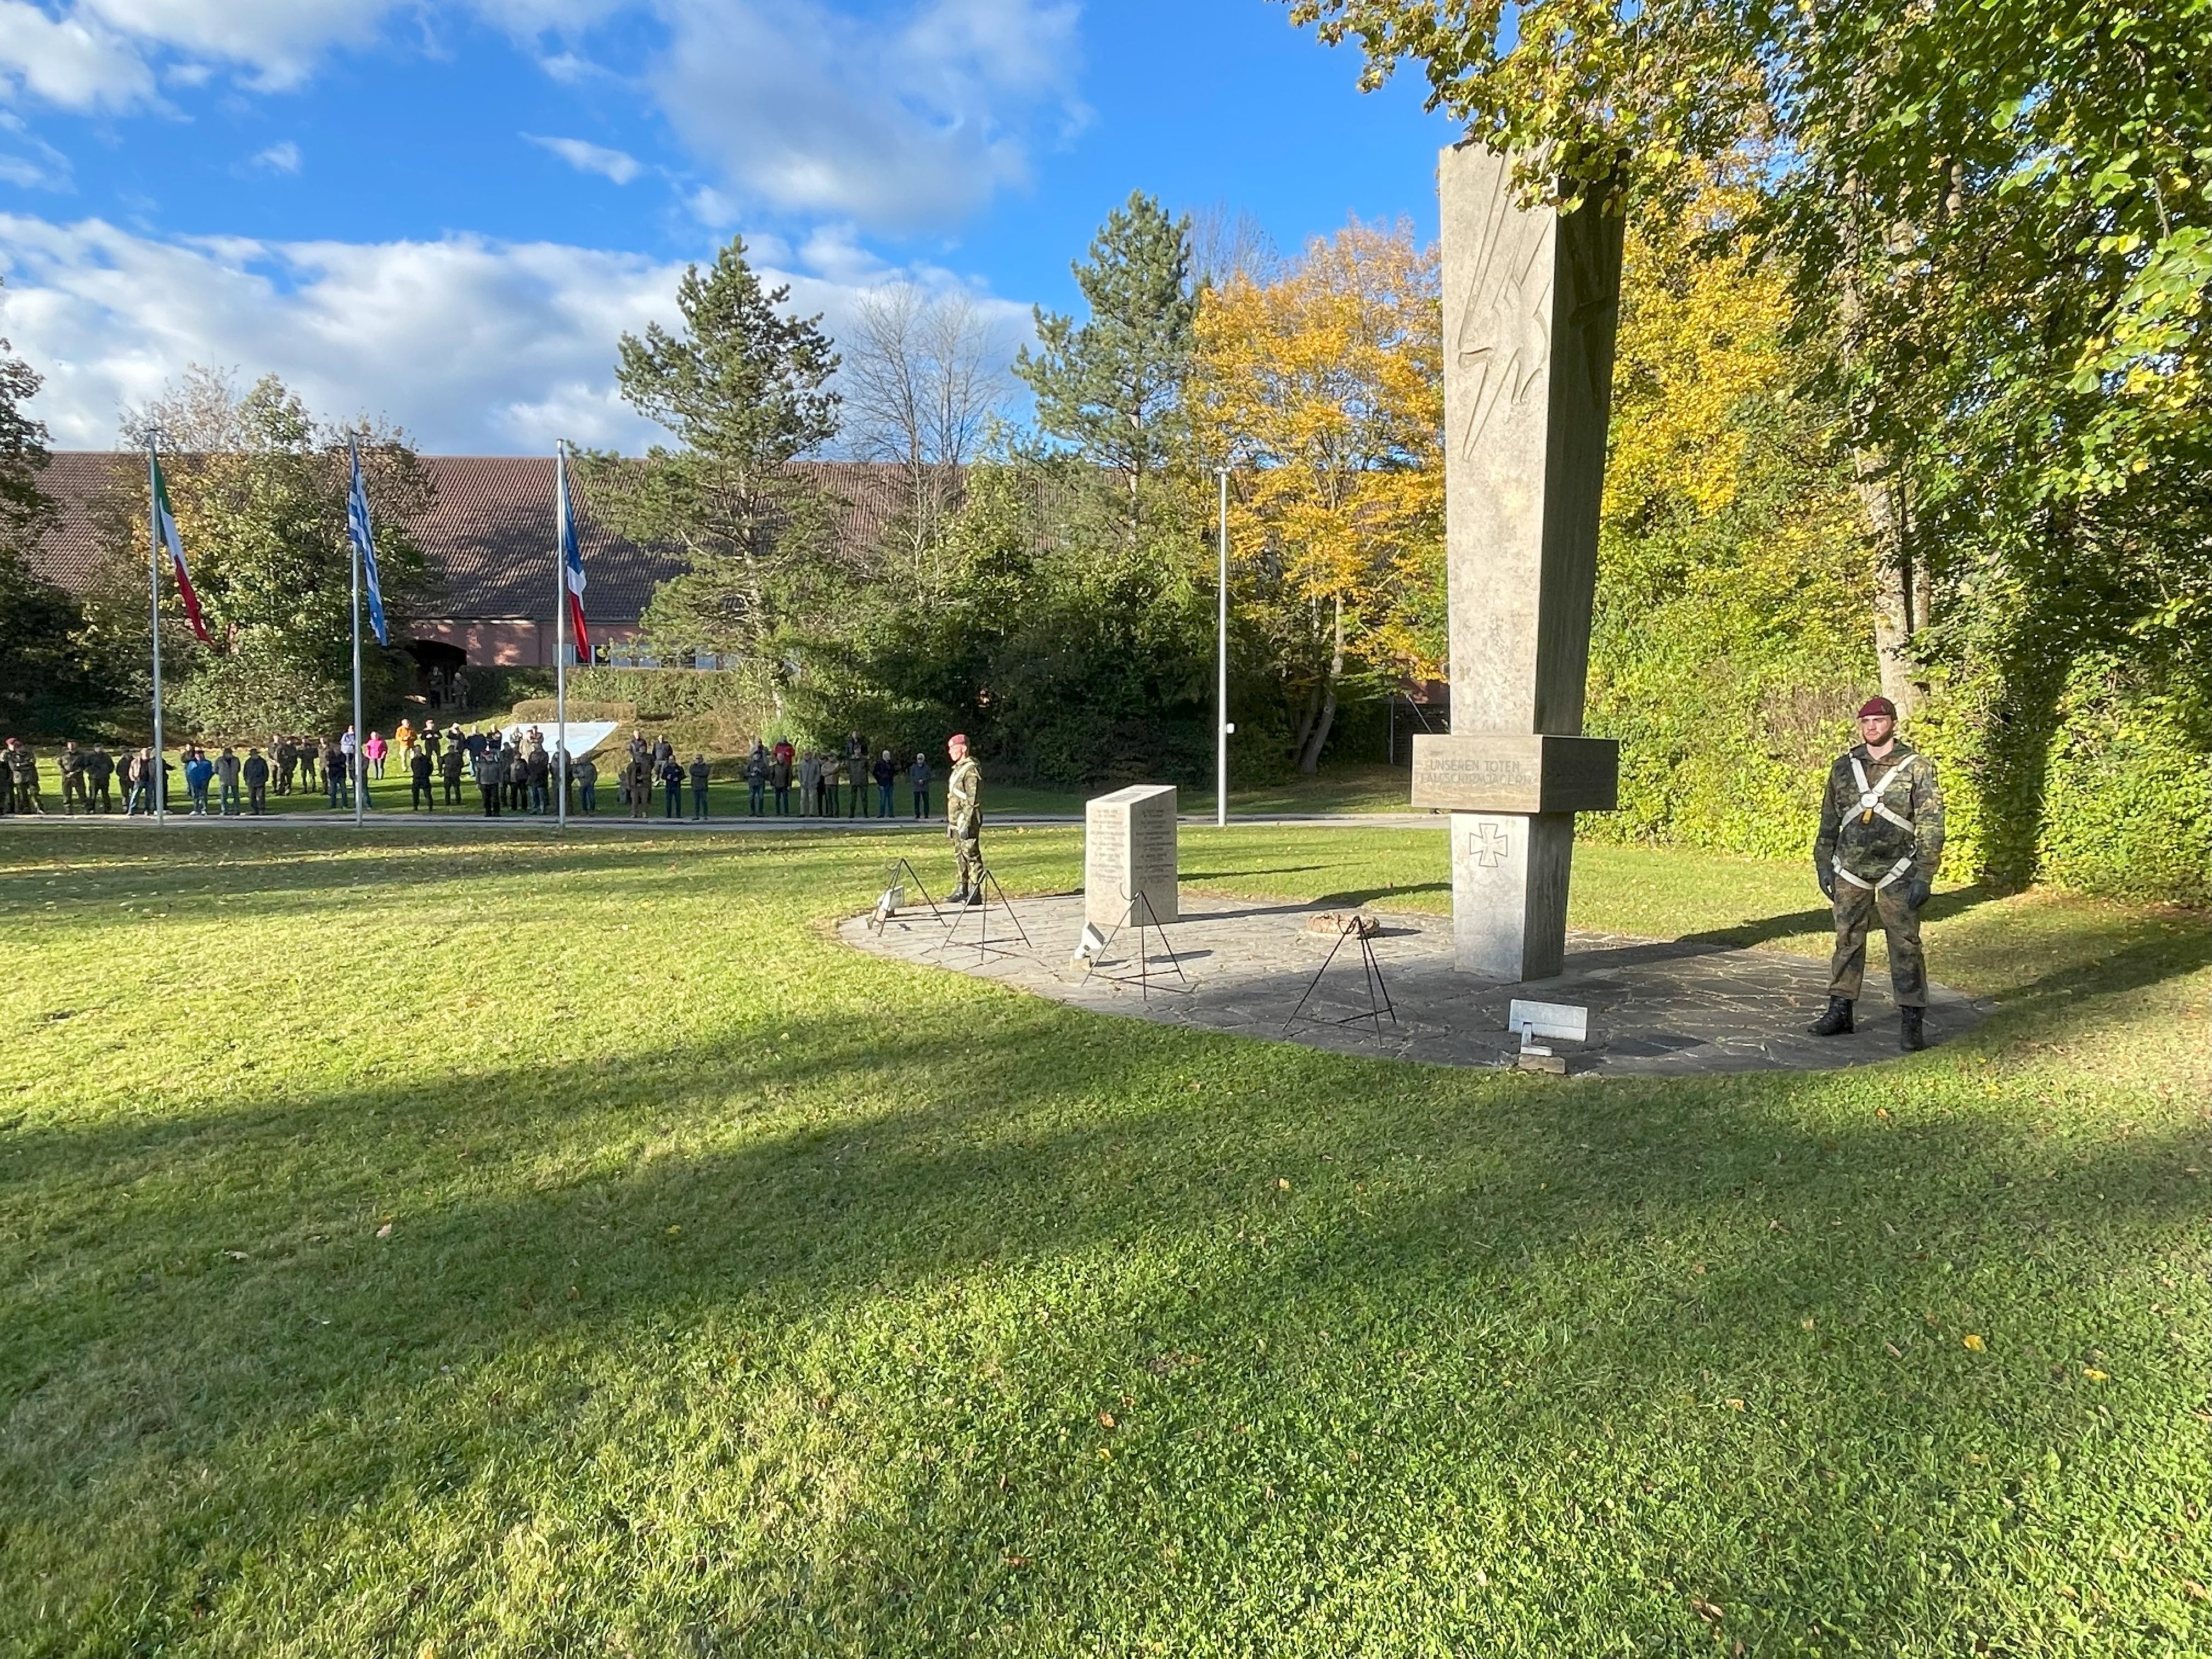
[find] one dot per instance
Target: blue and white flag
(364, 543)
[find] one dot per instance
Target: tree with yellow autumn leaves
(1322, 388)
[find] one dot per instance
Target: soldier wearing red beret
(1880, 847)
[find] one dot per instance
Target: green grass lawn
(453, 1245)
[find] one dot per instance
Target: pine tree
(1111, 387)
(744, 389)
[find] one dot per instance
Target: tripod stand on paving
(896, 874)
(1379, 1005)
(1140, 915)
(986, 884)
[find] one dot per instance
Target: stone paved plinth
(1656, 1008)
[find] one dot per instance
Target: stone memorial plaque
(1128, 850)
(1501, 772)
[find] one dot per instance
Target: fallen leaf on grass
(2096, 1375)
(1105, 1419)
(1973, 1341)
(1895, 1352)
(235, 1255)
(1708, 1611)
(1736, 1404)
(385, 1232)
(2195, 1591)
(1282, 1184)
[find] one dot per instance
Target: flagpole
(561, 627)
(154, 589)
(359, 737)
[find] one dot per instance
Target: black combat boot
(1910, 1037)
(1837, 1022)
(958, 897)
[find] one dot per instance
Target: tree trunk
(1306, 722)
(1879, 495)
(1309, 756)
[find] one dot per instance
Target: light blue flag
(364, 542)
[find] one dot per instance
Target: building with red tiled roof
(488, 541)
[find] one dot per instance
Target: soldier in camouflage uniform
(72, 771)
(963, 819)
(1880, 846)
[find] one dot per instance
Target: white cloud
(280, 157)
(893, 118)
(614, 164)
(73, 61)
(471, 344)
(26, 160)
(815, 110)
(277, 41)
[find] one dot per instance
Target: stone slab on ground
(1657, 1008)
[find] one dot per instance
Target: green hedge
(2091, 777)
(2125, 811)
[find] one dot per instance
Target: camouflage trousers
(968, 855)
(1857, 908)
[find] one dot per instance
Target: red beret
(960, 738)
(1878, 706)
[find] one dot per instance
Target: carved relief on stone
(1504, 341)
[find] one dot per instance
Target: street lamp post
(1221, 727)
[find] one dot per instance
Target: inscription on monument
(1506, 772)
(1129, 853)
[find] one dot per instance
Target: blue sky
(445, 214)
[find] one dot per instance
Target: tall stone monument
(1531, 297)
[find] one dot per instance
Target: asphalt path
(461, 818)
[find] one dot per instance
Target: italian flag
(166, 522)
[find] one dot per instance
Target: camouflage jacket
(1877, 812)
(963, 796)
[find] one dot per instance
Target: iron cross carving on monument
(1491, 846)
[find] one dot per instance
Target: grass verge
(462, 1245)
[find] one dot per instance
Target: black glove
(1826, 878)
(1915, 893)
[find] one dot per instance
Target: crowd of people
(512, 773)
(815, 783)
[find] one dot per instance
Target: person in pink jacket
(376, 749)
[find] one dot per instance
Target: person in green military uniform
(72, 771)
(963, 819)
(1880, 846)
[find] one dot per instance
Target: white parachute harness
(1871, 807)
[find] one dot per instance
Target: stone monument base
(1510, 893)
(1657, 1007)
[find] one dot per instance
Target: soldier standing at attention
(72, 768)
(1880, 846)
(963, 819)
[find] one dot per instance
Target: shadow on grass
(1472, 1282)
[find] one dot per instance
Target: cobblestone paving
(1656, 1008)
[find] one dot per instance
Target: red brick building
(488, 541)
